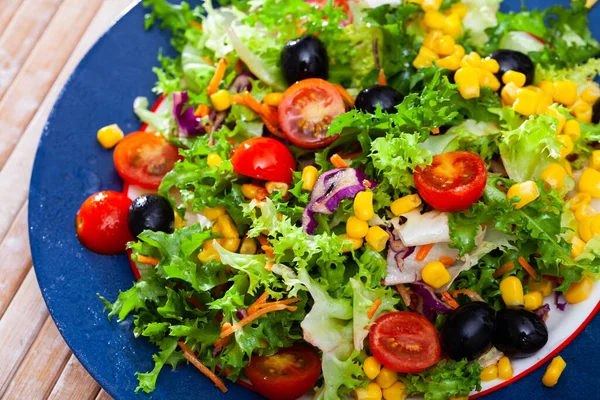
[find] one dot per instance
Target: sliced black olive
(596, 113)
(468, 331)
(388, 98)
(511, 60)
(150, 212)
(304, 58)
(519, 333)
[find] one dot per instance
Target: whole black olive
(596, 113)
(150, 212)
(388, 98)
(304, 58)
(519, 333)
(468, 331)
(511, 60)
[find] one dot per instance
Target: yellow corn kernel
(505, 371)
(309, 177)
(518, 78)
(562, 120)
(582, 111)
(431, 5)
(577, 246)
(583, 211)
(356, 243)
(468, 82)
(579, 199)
(489, 373)
(543, 286)
(444, 46)
(459, 51)
(491, 65)
(544, 102)
(565, 93)
(572, 129)
(595, 160)
(216, 229)
(371, 367)
(432, 38)
(585, 229)
(458, 9)
(527, 192)
(356, 228)
(377, 238)
(434, 20)
(221, 100)
(472, 59)
(425, 58)
(567, 145)
(214, 160)
(363, 206)
(526, 102)
(452, 62)
(406, 204)
(232, 244)
(227, 227)
(554, 175)
(208, 253)
(395, 392)
(532, 300)
(435, 274)
(272, 187)
(568, 168)
(509, 94)
(250, 190)
(386, 378)
(589, 182)
(554, 371)
(547, 87)
(590, 94)
(579, 291)
(372, 392)
(511, 289)
(212, 213)
(248, 246)
(273, 99)
(453, 26)
(487, 79)
(109, 136)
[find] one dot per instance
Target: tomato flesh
(404, 342)
(101, 223)
(286, 375)
(453, 181)
(264, 158)
(307, 109)
(144, 158)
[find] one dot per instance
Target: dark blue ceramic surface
(70, 165)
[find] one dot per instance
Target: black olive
(150, 212)
(304, 58)
(388, 98)
(596, 113)
(519, 333)
(468, 331)
(511, 60)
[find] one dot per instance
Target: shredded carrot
(449, 300)
(373, 308)
(423, 251)
(381, 80)
(338, 161)
(300, 31)
(261, 300)
(347, 97)
(191, 357)
(267, 113)
(473, 295)
(147, 260)
(504, 268)
(239, 67)
(447, 261)
(202, 111)
(404, 293)
(217, 77)
(197, 25)
(527, 267)
(208, 60)
(269, 265)
(435, 131)
(222, 342)
(259, 313)
(291, 300)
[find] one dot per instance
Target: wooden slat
(74, 383)
(7, 10)
(42, 366)
(103, 396)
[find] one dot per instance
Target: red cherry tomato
(144, 158)
(453, 181)
(344, 4)
(286, 375)
(404, 342)
(264, 158)
(306, 110)
(101, 222)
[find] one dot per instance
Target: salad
(336, 199)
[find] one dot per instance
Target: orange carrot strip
(147, 260)
(239, 67)
(191, 357)
(268, 114)
(449, 300)
(435, 131)
(269, 266)
(373, 308)
(447, 261)
(215, 81)
(259, 313)
(197, 25)
(202, 111)
(403, 292)
(222, 342)
(423, 251)
(208, 60)
(381, 80)
(347, 97)
(504, 268)
(286, 302)
(527, 267)
(261, 300)
(338, 161)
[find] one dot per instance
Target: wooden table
(41, 42)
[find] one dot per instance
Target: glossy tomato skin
(101, 223)
(264, 158)
(144, 158)
(453, 181)
(404, 342)
(286, 375)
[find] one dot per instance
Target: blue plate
(70, 165)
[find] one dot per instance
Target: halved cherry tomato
(264, 158)
(287, 374)
(306, 110)
(453, 181)
(144, 158)
(101, 222)
(405, 342)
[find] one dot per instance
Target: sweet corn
(250, 191)
(554, 175)
(579, 291)
(562, 120)
(452, 62)
(386, 378)
(595, 160)
(526, 191)
(490, 65)
(572, 129)
(468, 82)
(532, 300)
(406, 204)
(582, 111)
(458, 9)
(363, 206)
(227, 227)
(554, 371)
(431, 5)
(590, 94)
(509, 94)
(518, 78)
(471, 60)
(526, 102)
(567, 145)
(487, 79)
(377, 238)
(489, 373)
(577, 246)
(221, 100)
(231, 244)
(544, 102)
(565, 93)
(444, 46)
(178, 222)
(371, 367)
(511, 289)
(547, 87)
(505, 371)
(395, 392)
(212, 213)
(309, 177)
(356, 228)
(585, 229)
(459, 51)
(216, 229)
(208, 253)
(432, 38)
(272, 187)
(568, 168)
(453, 26)
(109, 136)
(425, 58)
(273, 99)
(543, 286)
(435, 274)
(248, 246)
(214, 160)
(372, 392)
(434, 20)
(589, 182)
(356, 243)
(583, 211)
(579, 199)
